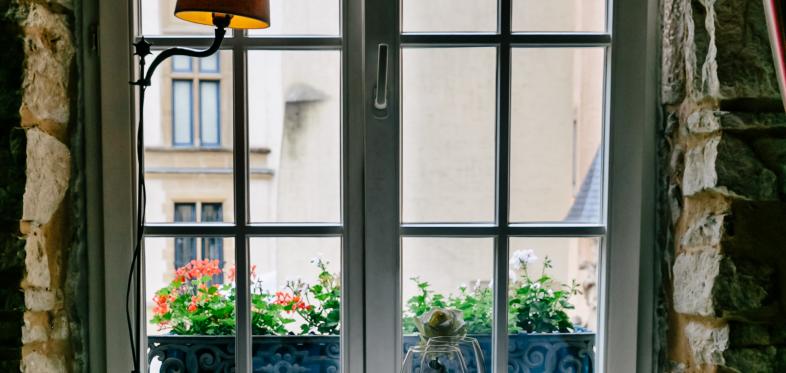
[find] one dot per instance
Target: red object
(776, 20)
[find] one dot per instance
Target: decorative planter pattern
(528, 353)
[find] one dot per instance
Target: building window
(181, 63)
(185, 247)
(209, 113)
(182, 116)
(200, 110)
(211, 248)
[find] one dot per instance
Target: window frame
(630, 282)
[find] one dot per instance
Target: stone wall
(12, 186)
(51, 334)
(724, 189)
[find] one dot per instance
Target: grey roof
(586, 207)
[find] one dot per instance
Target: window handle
(381, 89)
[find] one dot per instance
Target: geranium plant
(191, 304)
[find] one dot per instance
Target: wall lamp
(223, 14)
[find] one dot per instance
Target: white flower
(317, 258)
(521, 258)
(512, 275)
(441, 323)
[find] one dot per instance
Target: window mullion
(242, 259)
(500, 320)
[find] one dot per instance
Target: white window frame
(628, 287)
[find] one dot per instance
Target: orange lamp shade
(245, 14)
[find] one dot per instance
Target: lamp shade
(246, 14)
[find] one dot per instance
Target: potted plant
(541, 336)
(295, 329)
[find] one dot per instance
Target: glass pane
(181, 63)
(209, 113)
(303, 17)
(559, 15)
(454, 273)
(295, 136)
(182, 102)
(296, 303)
(448, 134)
(209, 64)
(556, 158)
(178, 167)
(158, 18)
(553, 303)
(187, 300)
(449, 15)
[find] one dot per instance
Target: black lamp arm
(143, 48)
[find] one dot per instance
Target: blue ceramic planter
(531, 353)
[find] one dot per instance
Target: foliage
(419, 304)
(539, 305)
(319, 304)
(535, 305)
(193, 305)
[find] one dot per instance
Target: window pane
(182, 102)
(553, 305)
(188, 173)
(556, 159)
(212, 212)
(158, 18)
(303, 17)
(448, 134)
(559, 15)
(181, 63)
(209, 113)
(209, 64)
(449, 15)
(449, 273)
(295, 136)
(296, 292)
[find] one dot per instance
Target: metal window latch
(381, 88)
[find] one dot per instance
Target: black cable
(140, 215)
(142, 49)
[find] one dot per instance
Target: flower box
(535, 353)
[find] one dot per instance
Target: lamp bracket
(142, 49)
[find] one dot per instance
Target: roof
(586, 207)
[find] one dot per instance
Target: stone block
(741, 285)
(729, 166)
(38, 362)
(36, 327)
(36, 260)
(49, 52)
(706, 343)
(672, 54)
(742, 55)
(752, 122)
(694, 279)
(40, 299)
(751, 360)
(772, 152)
(747, 335)
(48, 173)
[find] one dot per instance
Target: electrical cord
(140, 215)
(142, 49)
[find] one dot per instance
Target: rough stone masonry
(724, 165)
(50, 335)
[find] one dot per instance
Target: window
(207, 108)
(455, 172)
(211, 248)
